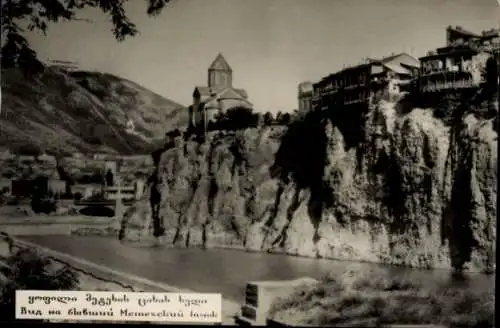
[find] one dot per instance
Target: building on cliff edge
(364, 83)
(468, 61)
(216, 98)
(305, 95)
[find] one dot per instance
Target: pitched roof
(402, 58)
(231, 93)
(305, 87)
(490, 33)
(227, 93)
(459, 29)
(204, 91)
(242, 92)
(220, 63)
(397, 68)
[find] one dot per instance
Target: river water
(220, 270)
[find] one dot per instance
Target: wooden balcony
(447, 85)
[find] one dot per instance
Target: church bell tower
(220, 74)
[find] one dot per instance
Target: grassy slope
(83, 111)
(370, 299)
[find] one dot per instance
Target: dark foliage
(109, 178)
(448, 109)
(174, 133)
(101, 211)
(268, 119)
(41, 202)
(491, 74)
(278, 116)
(170, 137)
(16, 51)
(93, 178)
(26, 269)
(236, 118)
(28, 149)
(284, 119)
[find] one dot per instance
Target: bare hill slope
(64, 112)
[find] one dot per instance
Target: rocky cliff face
(403, 189)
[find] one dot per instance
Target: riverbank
(56, 225)
(372, 299)
(143, 237)
(227, 271)
(97, 277)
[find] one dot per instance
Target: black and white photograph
(313, 162)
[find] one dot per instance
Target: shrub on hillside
(28, 270)
(377, 299)
(28, 149)
(268, 119)
(283, 118)
(78, 196)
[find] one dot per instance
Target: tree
(278, 116)
(39, 193)
(28, 149)
(78, 196)
(109, 178)
(237, 118)
(38, 14)
(268, 118)
(27, 270)
(285, 119)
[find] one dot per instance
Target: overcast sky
(271, 45)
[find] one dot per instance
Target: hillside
(403, 188)
(64, 112)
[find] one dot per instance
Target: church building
(217, 97)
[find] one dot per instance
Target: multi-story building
(487, 40)
(362, 83)
(462, 63)
(305, 97)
